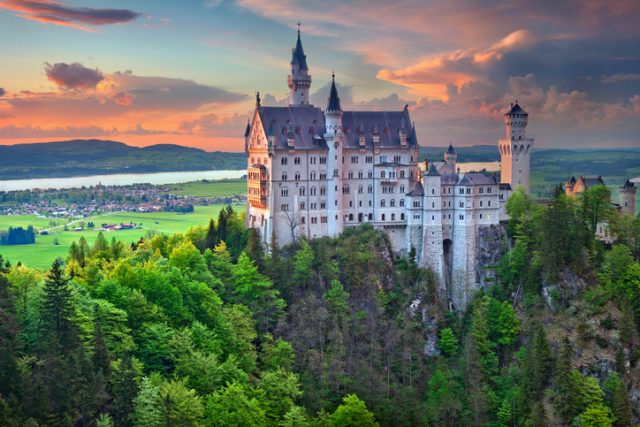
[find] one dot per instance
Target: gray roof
(247, 131)
(449, 179)
(304, 124)
(417, 191)
(475, 178)
(385, 123)
(590, 181)
(628, 184)
(515, 109)
(451, 150)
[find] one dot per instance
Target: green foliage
(448, 343)
(353, 413)
(233, 406)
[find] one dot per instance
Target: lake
(163, 178)
(119, 179)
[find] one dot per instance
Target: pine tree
(211, 239)
(58, 307)
(124, 389)
(9, 379)
(101, 359)
(620, 404)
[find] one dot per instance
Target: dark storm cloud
(73, 76)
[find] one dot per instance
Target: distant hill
(93, 156)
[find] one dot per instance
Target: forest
(208, 328)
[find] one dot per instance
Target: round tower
(334, 138)
(628, 198)
(299, 80)
(515, 149)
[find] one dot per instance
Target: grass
(45, 251)
(210, 188)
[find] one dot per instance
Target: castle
(315, 172)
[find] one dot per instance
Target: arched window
(401, 202)
(382, 174)
(393, 217)
(401, 217)
(401, 174)
(370, 189)
(382, 217)
(283, 161)
(370, 217)
(323, 191)
(392, 203)
(284, 192)
(284, 176)
(297, 176)
(312, 191)
(350, 217)
(302, 191)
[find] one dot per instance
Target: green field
(210, 188)
(44, 251)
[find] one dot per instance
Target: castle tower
(450, 158)
(628, 198)
(334, 137)
(515, 149)
(413, 207)
(299, 80)
(432, 247)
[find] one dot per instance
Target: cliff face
(492, 243)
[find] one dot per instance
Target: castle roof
(413, 138)
(417, 191)
(628, 184)
(515, 109)
(298, 56)
(591, 181)
(384, 124)
(433, 171)
(247, 131)
(476, 178)
(304, 125)
(451, 150)
(334, 101)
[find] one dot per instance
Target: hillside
(92, 156)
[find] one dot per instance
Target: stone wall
(491, 244)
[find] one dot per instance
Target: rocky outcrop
(429, 317)
(492, 244)
(567, 288)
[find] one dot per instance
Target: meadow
(206, 189)
(45, 250)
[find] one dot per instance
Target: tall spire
(298, 56)
(334, 100)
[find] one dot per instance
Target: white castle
(314, 172)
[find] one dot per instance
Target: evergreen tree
(211, 238)
(58, 308)
(353, 413)
(125, 384)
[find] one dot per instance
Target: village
(88, 202)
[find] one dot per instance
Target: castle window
(345, 189)
(312, 191)
(461, 216)
(370, 203)
(350, 203)
(350, 217)
(461, 204)
(433, 205)
(284, 192)
(314, 206)
(359, 203)
(489, 203)
(302, 220)
(433, 191)
(323, 205)
(368, 159)
(370, 174)
(401, 174)
(323, 190)
(323, 160)
(461, 190)
(392, 203)
(416, 203)
(354, 159)
(433, 217)
(370, 189)
(283, 161)
(489, 190)
(481, 190)
(323, 219)
(359, 189)
(312, 160)
(401, 217)
(370, 217)
(402, 189)
(401, 202)
(297, 176)
(314, 220)
(323, 176)
(296, 160)
(335, 172)
(480, 216)
(383, 217)
(350, 174)
(393, 217)
(284, 207)
(480, 203)
(383, 203)
(469, 190)
(284, 176)
(302, 191)
(312, 176)
(382, 174)
(360, 174)
(302, 206)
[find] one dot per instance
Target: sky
(185, 72)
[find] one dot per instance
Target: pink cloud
(73, 76)
(58, 13)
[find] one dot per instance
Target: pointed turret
(413, 138)
(333, 105)
(299, 81)
(247, 130)
(451, 150)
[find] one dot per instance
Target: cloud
(58, 13)
(617, 78)
(215, 125)
(73, 76)
(140, 130)
(124, 99)
(2, 91)
(12, 131)
(431, 75)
